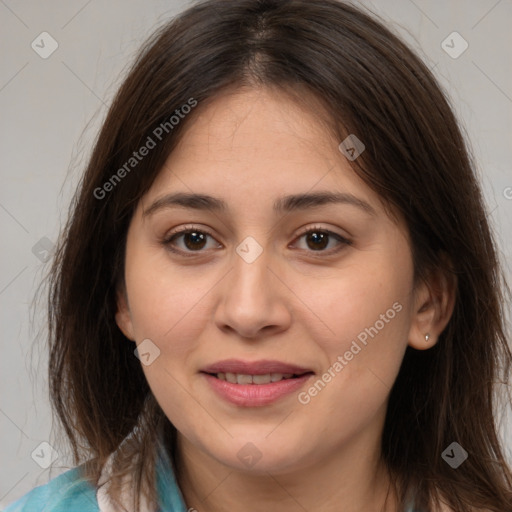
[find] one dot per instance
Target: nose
(254, 299)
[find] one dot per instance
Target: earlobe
(434, 304)
(123, 316)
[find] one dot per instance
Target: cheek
(365, 320)
(368, 315)
(354, 300)
(167, 306)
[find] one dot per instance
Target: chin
(258, 455)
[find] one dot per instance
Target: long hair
(322, 53)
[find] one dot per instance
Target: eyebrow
(284, 204)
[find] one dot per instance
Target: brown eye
(318, 239)
(193, 240)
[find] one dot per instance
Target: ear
(434, 303)
(123, 316)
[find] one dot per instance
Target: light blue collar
(169, 494)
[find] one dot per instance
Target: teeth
(240, 378)
(231, 377)
(261, 379)
(243, 379)
(274, 377)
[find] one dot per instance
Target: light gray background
(46, 105)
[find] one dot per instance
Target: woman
(277, 289)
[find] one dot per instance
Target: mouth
(260, 368)
(266, 378)
(252, 384)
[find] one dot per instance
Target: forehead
(262, 140)
(234, 112)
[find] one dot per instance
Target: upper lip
(261, 367)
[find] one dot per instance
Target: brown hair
(415, 159)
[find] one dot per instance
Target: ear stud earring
(427, 337)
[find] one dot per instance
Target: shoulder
(69, 491)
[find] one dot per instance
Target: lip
(255, 395)
(260, 367)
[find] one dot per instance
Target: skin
(293, 303)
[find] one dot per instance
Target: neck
(351, 479)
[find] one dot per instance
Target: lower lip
(254, 395)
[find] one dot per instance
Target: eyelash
(167, 241)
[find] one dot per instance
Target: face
(322, 290)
